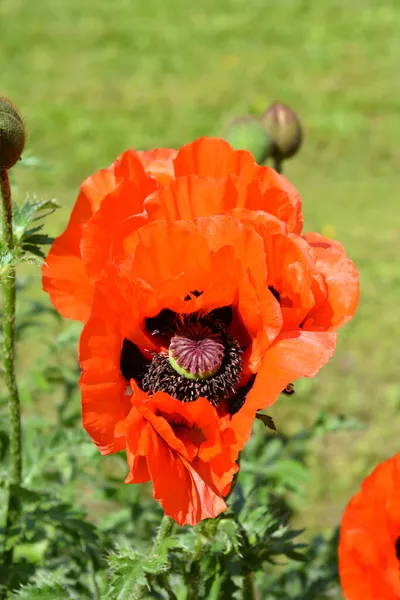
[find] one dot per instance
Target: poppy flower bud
(246, 133)
(12, 134)
(284, 129)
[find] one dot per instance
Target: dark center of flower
(397, 547)
(196, 352)
(203, 358)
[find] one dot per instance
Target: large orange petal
(191, 197)
(128, 166)
(64, 276)
(368, 564)
(159, 163)
(259, 219)
(91, 195)
(104, 390)
(275, 200)
(181, 445)
(213, 157)
(136, 445)
(200, 418)
(342, 280)
(181, 491)
(294, 355)
(124, 201)
(66, 281)
(166, 250)
(174, 259)
(139, 472)
(270, 182)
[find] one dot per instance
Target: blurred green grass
(97, 77)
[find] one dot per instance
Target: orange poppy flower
(121, 191)
(369, 545)
(202, 302)
(185, 342)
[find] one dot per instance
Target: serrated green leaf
(46, 585)
(127, 575)
(42, 593)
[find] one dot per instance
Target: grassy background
(93, 78)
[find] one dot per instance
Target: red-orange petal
(191, 197)
(214, 157)
(128, 166)
(368, 564)
(182, 493)
(159, 163)
(295, 354)
(342, 281)
(124, 201)
(64, 276)
(270, 183)
(104, 398)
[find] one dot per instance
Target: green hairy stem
(8, 360)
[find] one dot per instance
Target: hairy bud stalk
(12, 140)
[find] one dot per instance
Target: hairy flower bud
(12, 134)
(246, 133)
(284, 129)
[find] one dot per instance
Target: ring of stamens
(203, 360)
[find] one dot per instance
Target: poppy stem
(248, 587)
(164, 531)
(8, 276)
(206, 531)
(278, 165)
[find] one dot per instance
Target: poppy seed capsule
(246, 133)
(12, 134)
(196, 357)
(284, 129)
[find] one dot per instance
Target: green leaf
(126, 575)
(38, 239)
(46, 585)
(32, 249)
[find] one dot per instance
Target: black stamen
(223, 315)
(161, 376)
(133, 364)
(236, 402)
(195, 293)
(397, 547)
(162, 323)
(274, 292)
